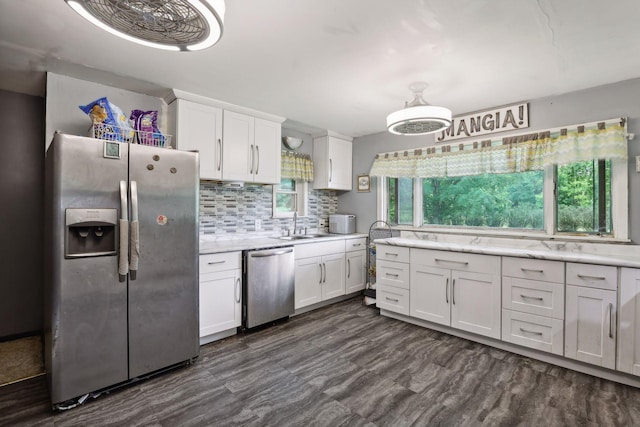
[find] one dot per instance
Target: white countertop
(242, 243)
(586, 258)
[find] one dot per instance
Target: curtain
(507, 155)
(297, 166)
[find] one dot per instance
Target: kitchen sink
(303, 236)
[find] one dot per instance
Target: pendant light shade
(418, 117)
(171, 24)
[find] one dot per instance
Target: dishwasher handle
(262, 254)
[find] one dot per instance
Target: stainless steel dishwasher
(268, 286)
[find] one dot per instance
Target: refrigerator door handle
(123, 226)
(135, 232)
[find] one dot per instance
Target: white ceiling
(343, 65)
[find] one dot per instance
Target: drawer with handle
(392, 274)
(534, 269)
(460, 261)
(352, 245)
(534, 297)
(529, 330)
(592, 276)
(392, 299)
(392, 253)
(211, 263)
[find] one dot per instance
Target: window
(503, 200)
(584, 197)
(581, 200)
(290, 196)
(400, 201)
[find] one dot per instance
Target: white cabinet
(251, 149)
(629, 333)
(392, 278)
(199, 127)
(591, 303)
(319, 272)
(456, 289)
(220, 294)
(332, 163)
(533, 303)
(356, 258)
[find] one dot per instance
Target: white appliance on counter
(342, 224)
(121, 264)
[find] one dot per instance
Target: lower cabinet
(629, 333)
(319, 278)
(356, 259)
(220, 293)
(590, 314)
(456, 296)
(533, 331)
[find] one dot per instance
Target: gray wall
(21, 218)
(66, 94)
(603, 102)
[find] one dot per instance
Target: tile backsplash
(226, 208)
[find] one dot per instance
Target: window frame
(619, 210)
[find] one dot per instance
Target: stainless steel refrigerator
(121, 264)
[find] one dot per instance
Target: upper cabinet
(199, 127)
(332, 162)
(251, 149)
(235, 143)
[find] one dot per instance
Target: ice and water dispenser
(90, 232)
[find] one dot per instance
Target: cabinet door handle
(391, 299)
(348, 268)
(324, 277)
(390, 254)
(531, 270)
(330, 170)
(356, 244)
(392, 274)
(446, 292)
(237, 290)
(453, 292)
(257, 158)
(530, 332)
(582, 276)
(530, 297)
(220, 155)
(216, 262)
(451, 261)
(320, 265)
(251, 161)
(610, 320)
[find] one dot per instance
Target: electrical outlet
(637, 163)
(258, 224)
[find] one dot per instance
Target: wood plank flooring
(344, 365)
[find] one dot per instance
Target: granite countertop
(214, 245)
(585, 258)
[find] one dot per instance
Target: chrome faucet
(295, 222)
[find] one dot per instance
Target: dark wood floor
(345, 365)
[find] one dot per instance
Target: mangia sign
(502, 119)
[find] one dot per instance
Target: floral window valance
(601, 140)
(297, 166)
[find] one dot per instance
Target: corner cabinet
(332, 158)
(198, 127)
(251, 149)
(220, 295)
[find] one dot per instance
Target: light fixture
(169, 24)
(292, 143)
(417, 117)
